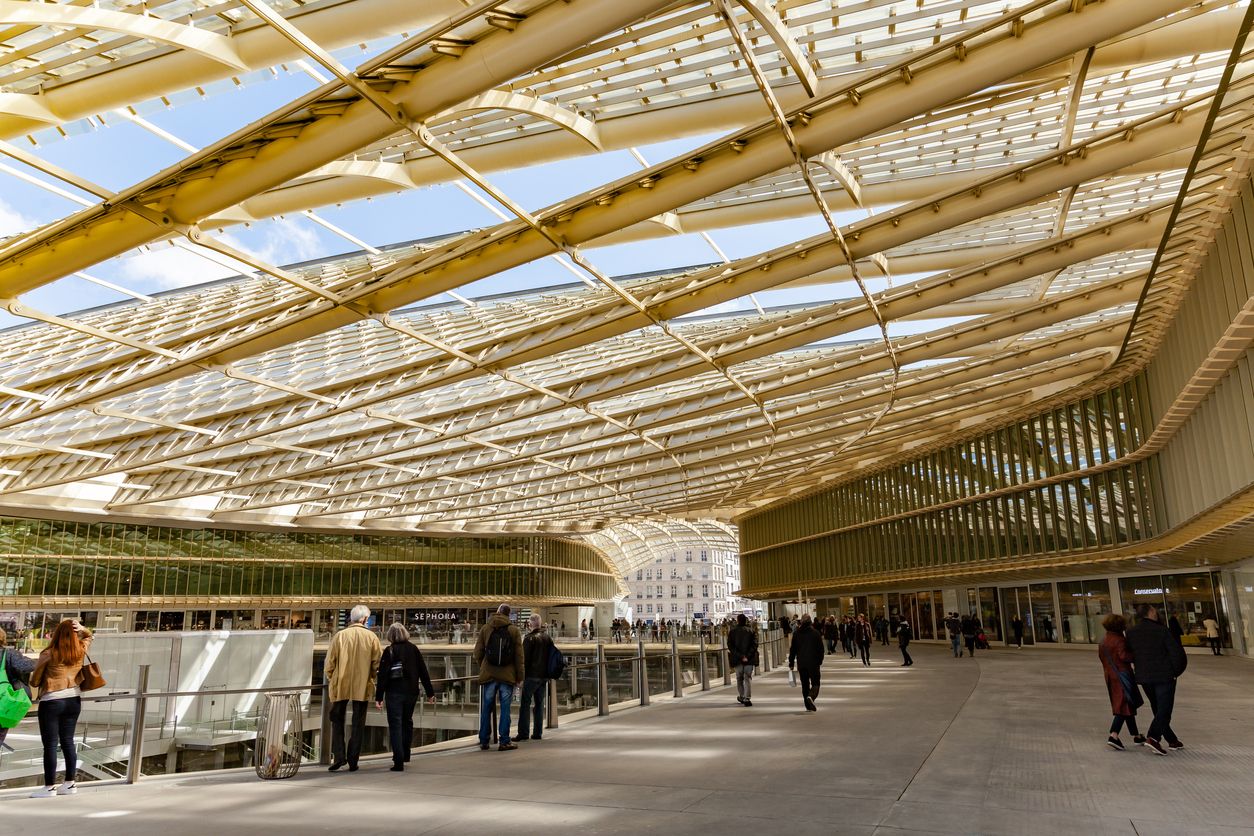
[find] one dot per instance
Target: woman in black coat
(401, 670)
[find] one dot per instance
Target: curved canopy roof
(881, 223)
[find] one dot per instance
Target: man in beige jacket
(351, 665)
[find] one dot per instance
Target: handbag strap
(4, 667)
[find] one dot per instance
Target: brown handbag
(89, 676)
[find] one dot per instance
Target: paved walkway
(1011, 742)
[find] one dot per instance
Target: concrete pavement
(1011, 742)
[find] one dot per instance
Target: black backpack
(556, 663)
(500, 647)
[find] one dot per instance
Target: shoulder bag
(89, 676)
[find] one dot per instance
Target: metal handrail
(600, 665)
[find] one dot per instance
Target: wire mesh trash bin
(280, 737)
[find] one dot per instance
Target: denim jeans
(1162, 699)
(400, 708)
(488, 692)
(339, 711)
(744, 681)
(955, 641)
(57, 719)
(531, 707)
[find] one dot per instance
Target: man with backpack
(542, 661)
(499, 652)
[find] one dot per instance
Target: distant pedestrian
(970, 629)
(1212, 634)
(1120, 683)
(953, 625)
(537, 648)
(1016, 627)
(904, 635)
(57, 674)
(499, 652)
(785, 627)
(1173, 624)
(1158, 660)
(742, 653)
(806, 652)
(881, 629)
(831, 632)
(401, 671)
(862, 638)
(351, 668)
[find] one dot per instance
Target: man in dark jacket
(742, 653)
(536, 649)
(806, 653)
(499, 652)
(1157, 660)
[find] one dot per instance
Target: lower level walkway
(1011, 742)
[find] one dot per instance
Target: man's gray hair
(534, 622)
(359, 613)
(397, 633)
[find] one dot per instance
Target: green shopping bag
(14, 703)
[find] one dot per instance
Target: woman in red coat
(1125, 699)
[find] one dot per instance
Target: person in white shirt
(1212, 634)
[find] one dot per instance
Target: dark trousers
(970, 642)
(57, 719)
(400, 708)
(1122, 719)
(1019, 638)
(865, 649)
(531, 709)
(339, 710)
(1162, 699)
(809, 682)
(905, 656)
(1214, 645)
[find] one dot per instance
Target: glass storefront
(1189, 599)
(925, 628)
(1016, 601)
(1044, 620)
(1083, 605)
(990, 613)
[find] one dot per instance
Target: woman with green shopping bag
(15, 670)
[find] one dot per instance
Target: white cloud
(166, 267)
(12, 221)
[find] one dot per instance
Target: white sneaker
(67, 789)
(45, 792)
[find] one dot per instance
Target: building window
(674, 591)
(705, 590)
(674, 607)
(689, 590)
(705, 555)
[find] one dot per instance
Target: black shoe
(536, 737)
(335, 767)
(1115, 743)
(406, 759)
(485, 747)
(352, 767)
(522, 737)
(397, 767)
(740, 700)
(1175, 744)
(505, 747)
(1138, 739)
(810, 705)
(747, 703)
(1154, 746)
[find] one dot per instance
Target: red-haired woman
(1120, 685)
(56, 673)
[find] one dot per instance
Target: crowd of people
(1146, 658)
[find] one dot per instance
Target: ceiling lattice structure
(994, 181)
